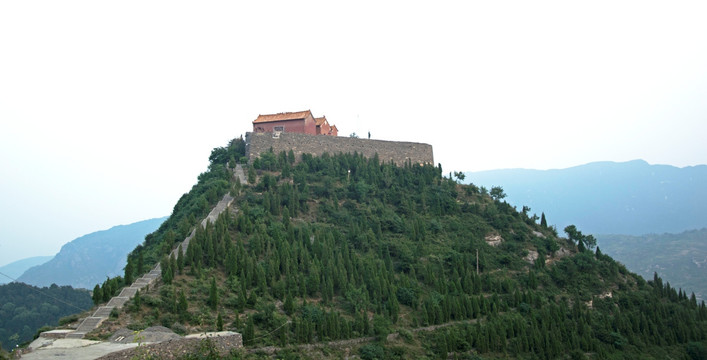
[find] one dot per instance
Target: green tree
(213, 294)
(543, 221)
(289, 305)
(137, 301)
(97, 295)
(249, 333)
(381, 326)
(251, 175)
(180, 260)
(583, 241)
(219, 322)
(140, 263)
(497, 193)
(129, 272)
(182, 304)
(460, 176)
(166, 267)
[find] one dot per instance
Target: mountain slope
(680, 259)
(342, 247)
(609, 198)
(17, 268)
(89, 259)
(25, 308)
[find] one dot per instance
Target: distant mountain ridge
(17, 268)
(680, 259)
(631, 197)
(89, 259)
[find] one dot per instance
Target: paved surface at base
(74, 349)
(81, 349)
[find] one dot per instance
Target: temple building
(302, 122)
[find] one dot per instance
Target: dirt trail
(339, 343)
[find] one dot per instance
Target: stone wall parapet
(397, 151)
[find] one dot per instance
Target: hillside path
(240, 174)
(339, 343)
(103, 312)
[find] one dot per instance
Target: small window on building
(279, 128)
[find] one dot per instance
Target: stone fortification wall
(398, 152)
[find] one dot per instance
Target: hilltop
(362, 257)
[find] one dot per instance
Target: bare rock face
(562, 253)
(559, 254)
(493, 239)
(539, 234)
(608, 294)
(532, 256)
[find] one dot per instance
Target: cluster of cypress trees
(341, 246)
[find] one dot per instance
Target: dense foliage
(25, 308)
(338, 247)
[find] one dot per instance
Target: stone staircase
(240, 174)
(103, 312)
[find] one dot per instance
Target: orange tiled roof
(282, 116)
(320, 121)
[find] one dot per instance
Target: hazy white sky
(109, 110)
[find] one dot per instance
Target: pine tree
(140, 263)
(213, 294)
(182, 305)
(129, 272)
(165, 266)
(219, 322)
(543, 221)
(137, 301)
(249, 333)
(173, 266)
(251, 175)
(107, 291)
(532, 281)
(289, 305)
(180, 260)
(97, 294)
(237, 321)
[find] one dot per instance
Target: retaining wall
(397, 151)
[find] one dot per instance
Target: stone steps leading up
(140, 283)
(128, 292)
(103, 312)
(118, 301)
(75, 335)
(89, 324)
